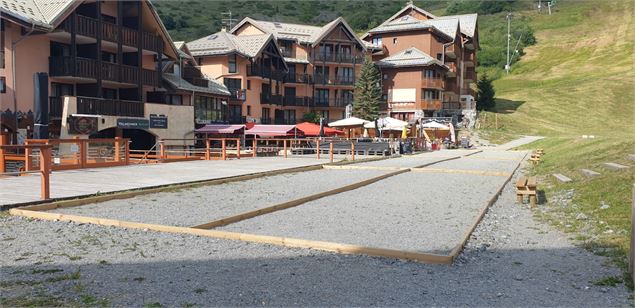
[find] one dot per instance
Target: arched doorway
(139, 139)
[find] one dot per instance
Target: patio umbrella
(365, 132)
(404, 132)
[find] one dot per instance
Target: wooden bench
(540, 151)
(526, 186)
(535, 158)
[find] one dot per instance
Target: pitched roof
(409, 57)
(222, 42)
(179, 83)
(296, 32)
(445, 24)
(467, 22)
(40, 13)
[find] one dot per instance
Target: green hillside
(579, 79)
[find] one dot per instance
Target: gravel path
(387, 214)
(512, 261)
(189, 207)
(409, 161)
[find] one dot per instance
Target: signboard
(82, 125)
(158, 121)
(133, 123)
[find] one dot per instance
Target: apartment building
(291, 70)
(110, 68)
(427, 62)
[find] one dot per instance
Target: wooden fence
(44, 151)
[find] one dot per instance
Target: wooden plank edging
(457, 250)
(294, 203)
(125, 194)
(253, 238)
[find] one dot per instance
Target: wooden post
(78, 156)
(238, 148)
(117, 149)
(496, 117)
(353, 150)
(161, 150)
(127, 151)
(28, 164)
(318, 149)
(45, 168)
(83, 153)
(331, 151)
(284, 147)
(3, 141)
(223, 149)
(255, 147)
(207, 154)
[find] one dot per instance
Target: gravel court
(193, 206)
(409, 161)
(387, 214)
(468, 163)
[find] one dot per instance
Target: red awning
(221, 129)
(313, 130)
(274, 130)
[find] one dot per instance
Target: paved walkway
(518, 142)
(90, 181)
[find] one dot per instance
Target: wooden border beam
(253, 238)
(293, 203)
(460, 171)
(353, 167)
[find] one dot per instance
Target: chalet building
(427, 62)
(251, 67)
(111, 71)
(293, 70)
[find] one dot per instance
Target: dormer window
(377, 40)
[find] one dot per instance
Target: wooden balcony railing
(87, 68)
(87, 26)
(271, 99)
(338, 58)
(429, 104)
(331, 102)
(111, 107)
(265, 72)
(297, 101)
(298, 78)
(238, 94)
(432, 83)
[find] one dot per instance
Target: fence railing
(67, 154)
(44, 170)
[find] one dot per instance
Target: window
(430, 95)
(385, 76)
(60, 50)
(324, 114)
(174, 99)
(346, 97)
(345, 75)
(108, 57)
(233, 84)
(430, 74)
(3, 85)
(285, 48)
(248, 110)
(208, 109)
(326, 51)
(292, 70)
(439, 57)
(265, 112)
(322, 96)
(289, 116)
(248, 84)
(377, 40)
(232, 64)
(61, 89)
(394, 40)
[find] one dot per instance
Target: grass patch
(610, 281)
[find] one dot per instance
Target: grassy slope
(578, 80)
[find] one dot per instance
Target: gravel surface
(387, 214)
(511, 261)
(409, 161)
(189, 207)
(470, 163)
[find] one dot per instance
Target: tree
(311, 117)
(367, 92)
(485, 95)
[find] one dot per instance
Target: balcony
(110, 107)
(88, 27)
(452, 106)
(432, 83)
(298, 78)
(429, 104)
(238, 94)
(331, 102)
(87, 68)
(301, 101)
(451, 69)
(324, 79)
(271, 99)
(450, 52)
(236, 119)
(338, 58)
(270, 73)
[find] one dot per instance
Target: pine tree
(367, 92)
(485, 96)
